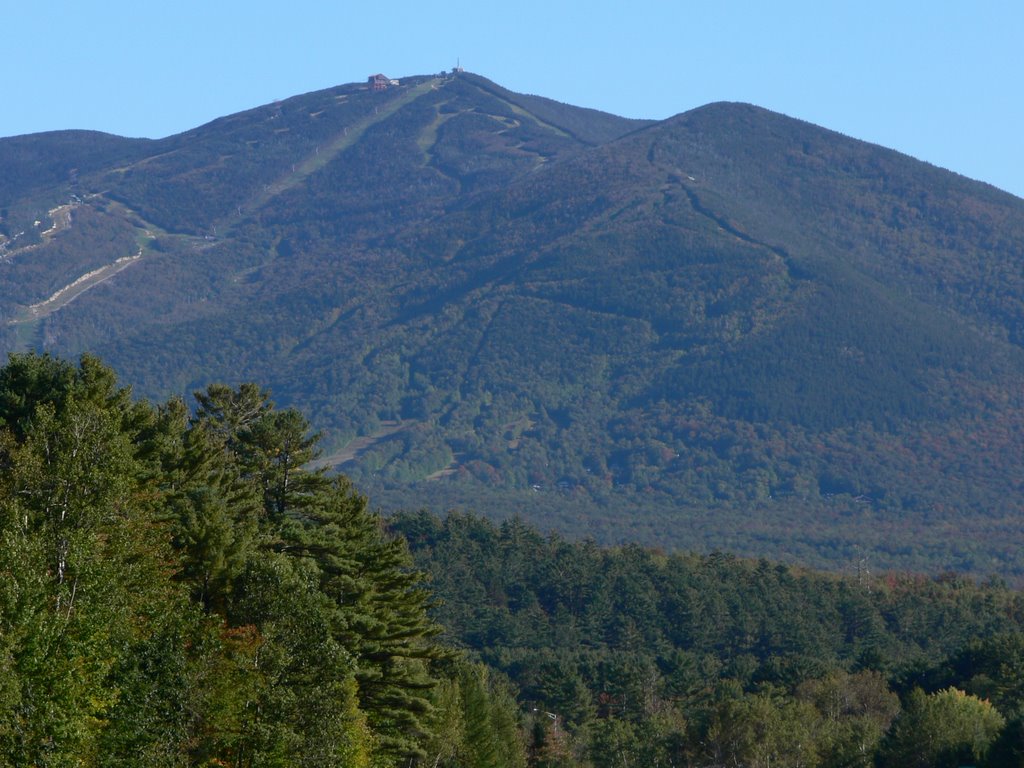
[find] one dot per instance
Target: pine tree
(380, 615)
(379, 602)
(214, 514)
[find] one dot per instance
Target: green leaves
(312, 540)
(185, 591)
(643, 658)
(80, 572)
(945, 729)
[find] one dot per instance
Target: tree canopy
(183, 590)
(181, 587)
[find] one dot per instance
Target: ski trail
(73, 290)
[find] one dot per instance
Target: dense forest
(641, 657)
(177, 590)
(726, 330)
(181, 588)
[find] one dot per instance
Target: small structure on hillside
(380, 82)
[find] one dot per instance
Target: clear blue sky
(937, 79)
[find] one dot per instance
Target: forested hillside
(726, 330)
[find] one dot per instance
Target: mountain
(729, 329)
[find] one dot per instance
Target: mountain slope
(726, 329)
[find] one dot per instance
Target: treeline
(629, 656)
(178, 590)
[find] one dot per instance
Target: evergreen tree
(380, 614)
(184, 592)
(215, 516)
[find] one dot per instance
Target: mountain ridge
(702, 331)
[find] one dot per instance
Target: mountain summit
(728, 329)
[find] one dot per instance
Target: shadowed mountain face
(729, 329)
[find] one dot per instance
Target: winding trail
(27, 319)
(360, 445)
(60, 218)
(73, 290)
